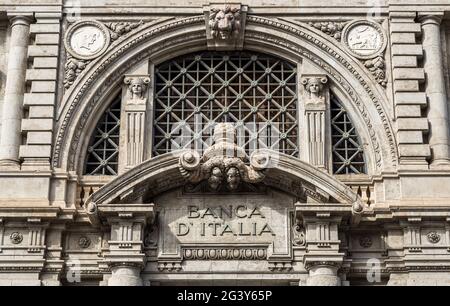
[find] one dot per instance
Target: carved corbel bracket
(225, 25)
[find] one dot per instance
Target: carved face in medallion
(87, 39)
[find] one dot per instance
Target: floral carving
(224, 23)
(377, 67)
(334, 29)
(223, 164)
(433, 237)
(16, 238)
(121, 28)
(299, 238)
(73, 68)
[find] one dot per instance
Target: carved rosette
(16, 238)
(84, 242)
(223, 164)
(433, 237)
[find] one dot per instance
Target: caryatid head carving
(314, 87)
(137, 87)
(224, 22)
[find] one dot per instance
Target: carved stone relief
(316, 99)
(16, 238)
(225, 25)
(137, 87)
(133, 121)
(87, 40)
(334, 29)
(367, 41)
(223, 164)
(433, 237)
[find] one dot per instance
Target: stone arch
(162, 173)
(165, 39)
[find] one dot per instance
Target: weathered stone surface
(83, 89)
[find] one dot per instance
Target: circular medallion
(365, 242)
(364, 39)
(433, 237)
(84, 242)
(87, 39)
(16, 238)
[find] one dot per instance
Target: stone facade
(106, 180)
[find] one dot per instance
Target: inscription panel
(224, 227)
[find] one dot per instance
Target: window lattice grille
(255, 91)
(348, 154)
(103, 150)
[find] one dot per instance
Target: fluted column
(435, 89)
(14, 90)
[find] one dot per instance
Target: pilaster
(435, 88)
(14, 91)
(39, 102)
(133, 127)
(409, 99)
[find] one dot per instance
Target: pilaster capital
(322, 263)
(20, 18)
(427, 18)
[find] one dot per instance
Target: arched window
(257, 92)
(103, 150)
(348, 154)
